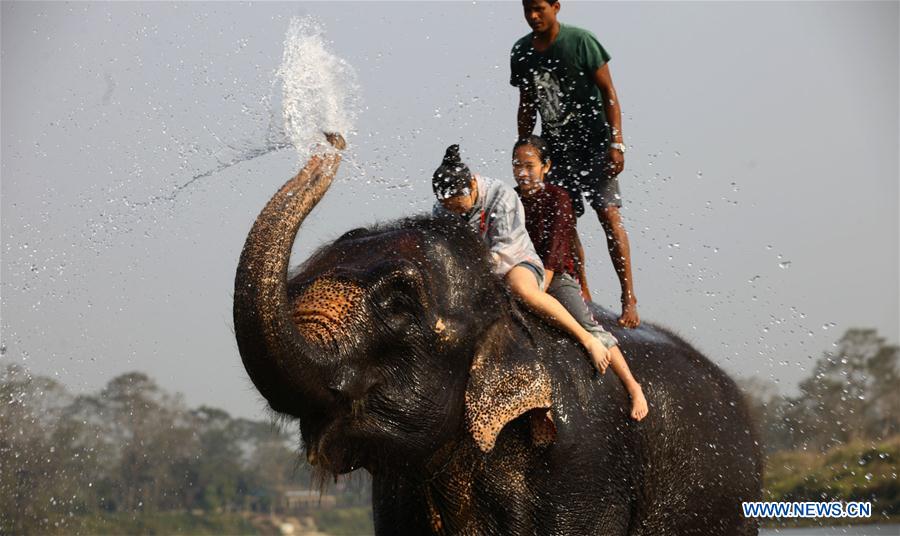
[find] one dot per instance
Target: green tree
(217, 477)
(883, 415)
(151, 433)
(768, 409)
(851, 394)
(132, 458)
(41, 467)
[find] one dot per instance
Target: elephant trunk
(274, 352)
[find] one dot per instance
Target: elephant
(399, 352)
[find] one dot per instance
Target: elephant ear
(507, 380)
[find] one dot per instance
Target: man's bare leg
(620, 255)
(578, 256)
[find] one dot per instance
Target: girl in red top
(550, 222)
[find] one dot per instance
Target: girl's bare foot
(639, 408)
(600, 355)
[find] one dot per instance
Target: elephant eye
(395, 305)
(397, 311)
(397, 296)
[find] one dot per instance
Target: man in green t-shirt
(562, 72)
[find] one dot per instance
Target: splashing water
(320, 90)
(320, 94)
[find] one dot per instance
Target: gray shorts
(585, 171)
(538, 273)
(567, 291)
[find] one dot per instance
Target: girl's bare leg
(639, 408)
(523, 283)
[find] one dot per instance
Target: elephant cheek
(323, 309)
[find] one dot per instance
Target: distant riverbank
(858, 471)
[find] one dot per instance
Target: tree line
(852, 393)
(134, 447)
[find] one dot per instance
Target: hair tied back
(451, 156)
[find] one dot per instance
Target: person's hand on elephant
(599, 354)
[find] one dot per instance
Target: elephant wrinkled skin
(399, 352)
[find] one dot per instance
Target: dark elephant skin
(399, 352)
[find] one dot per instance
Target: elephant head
(390, 345)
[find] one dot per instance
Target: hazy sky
(761, 189)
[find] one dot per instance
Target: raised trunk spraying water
(274, 353)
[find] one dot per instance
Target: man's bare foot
(629, 318)
(639, 408)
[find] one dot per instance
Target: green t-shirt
(562, 80)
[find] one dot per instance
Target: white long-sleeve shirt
(499, 218)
